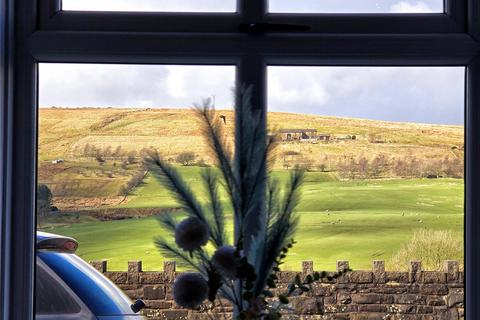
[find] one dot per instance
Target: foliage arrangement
(244, 273)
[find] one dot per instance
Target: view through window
(383, 148)
(151, 5)
(384, 152)
(96, 123)
(355, 6)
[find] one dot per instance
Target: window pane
(151, 5)
(96, 122)
(356, 6)
(384, 152)
(51, 298)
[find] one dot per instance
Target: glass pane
(356, 6)
(384, 152)
(151, 5)
(51, 298)
(96, 122)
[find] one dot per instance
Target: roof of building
(296, 130)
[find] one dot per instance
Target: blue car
(69, 288)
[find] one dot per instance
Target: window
(96, 123)
(151, 5)
(449, 36)
(52, 296)
(384, 152)
(366, 6)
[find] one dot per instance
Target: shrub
(432, 247)
(132, 157)
(186, 158)
(202, 163)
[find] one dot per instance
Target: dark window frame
(31, 32)
(453, 20)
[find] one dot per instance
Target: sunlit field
(359, 221)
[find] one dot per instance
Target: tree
(134, 181)
(185, 158)
(44, 201)
(87, 150)
(107, 152)
(99, 157)
(289, 157)
(378, 165)
(363, 167)
(323, 164)
(118, 152)
(132, 157)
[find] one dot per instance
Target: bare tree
(132, 157)
(134, 181)
(362, 167)
(378, 165)
(289, 158)
(44, 202)
(118, 152)
(186, 158)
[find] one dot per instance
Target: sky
(426, 95)
(413, 94)
(327, 6)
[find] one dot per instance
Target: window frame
(453, 20)
(33, 31)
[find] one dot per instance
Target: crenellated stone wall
(374, 294)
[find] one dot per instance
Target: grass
(173, 131)
(357, 221)
(340, 220)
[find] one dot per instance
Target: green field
(358, 221)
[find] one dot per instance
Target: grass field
(358, 221)
(81, 182)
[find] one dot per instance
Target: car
(69, 288)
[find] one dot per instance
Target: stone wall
(359, 295)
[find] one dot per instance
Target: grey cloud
(364, 6)
(72, 85)
(375, 6)
(151, 5)
(416, 94)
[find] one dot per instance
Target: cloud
(407, 7)
(356, 6)
(415, 94)
(73, 85)
(151, 5)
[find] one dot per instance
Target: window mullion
(251, 71)
(252, 10)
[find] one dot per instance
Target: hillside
(101, 148)
(65, 132)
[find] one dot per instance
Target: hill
(101, 148)
(64, 132)
(364, 216)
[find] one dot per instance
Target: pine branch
(213, 134)
(172, 252)
(282, 228)
(167, 221)
(210, 179)
(172, 180)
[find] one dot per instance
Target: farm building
(298, 134)
(324, 137)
